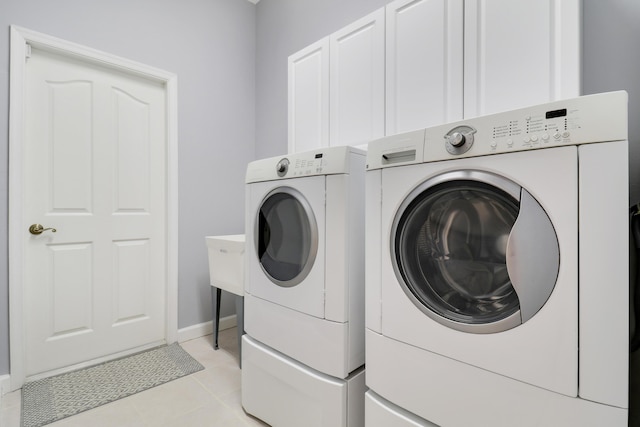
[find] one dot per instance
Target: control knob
(456, 139)
(459, 139)
(282, 167)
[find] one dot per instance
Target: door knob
(38, 229)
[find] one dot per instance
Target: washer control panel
(510, 132)
(587, 119)
(530, 130)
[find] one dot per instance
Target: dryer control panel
(583, 120)
(328, 161)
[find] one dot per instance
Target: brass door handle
(38, 229)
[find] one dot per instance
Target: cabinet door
(309, 97)
(357, 81)
(424, 41)
(519, 53)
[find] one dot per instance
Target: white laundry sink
(226, 273)
(226, 262)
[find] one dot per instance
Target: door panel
(519, 53)
(423, 63)
(356, 101)
(69, 271)
(309, 98)
(94, 169)
(131, 280)
(70, 131)
(132, 146)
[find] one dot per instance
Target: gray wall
(611, 61)
(611, 58)
(210, 45)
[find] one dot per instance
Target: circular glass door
(449, 244)
(286, 237)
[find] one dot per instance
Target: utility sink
(226, 273)
(226, 262)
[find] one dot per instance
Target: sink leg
(216, 294)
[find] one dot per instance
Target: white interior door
(94, 168)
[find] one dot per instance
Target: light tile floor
(209, 398)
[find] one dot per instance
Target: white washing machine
(497, 269)
(303, 354)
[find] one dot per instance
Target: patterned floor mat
(51, 399)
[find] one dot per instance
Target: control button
(556, 135)
(545, 137)
(534, 138)
(494, 144)
(527, 140)
(566, 134)
(510, 142)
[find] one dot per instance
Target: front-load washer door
(484, 257)
(286, 238)
(474, 251)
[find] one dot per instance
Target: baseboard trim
(5, 385)
(206, 328)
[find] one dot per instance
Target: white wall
(210, 45)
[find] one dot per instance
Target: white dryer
(497, 269)
(304, 288)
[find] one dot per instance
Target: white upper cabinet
(309, 97)
(424, 68)
(356, 94)
(419, 63)
(519, 53)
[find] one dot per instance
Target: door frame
(21, 41)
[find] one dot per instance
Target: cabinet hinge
(27, 51)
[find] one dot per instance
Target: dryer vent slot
(398, 157)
